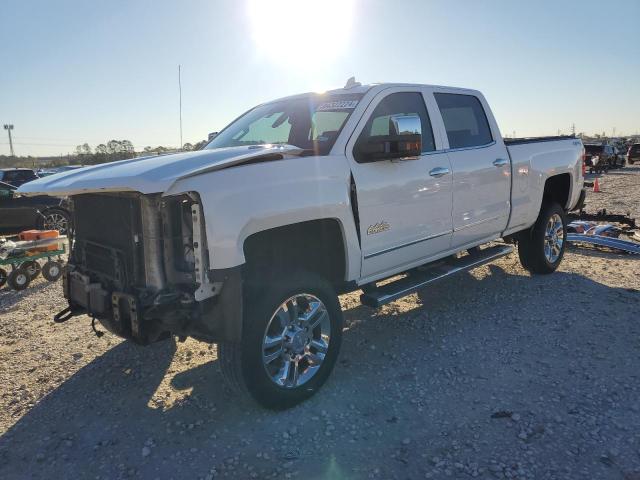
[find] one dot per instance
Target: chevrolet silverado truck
(248, 242)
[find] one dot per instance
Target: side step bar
(418, 278)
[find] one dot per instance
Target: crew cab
(248, 242)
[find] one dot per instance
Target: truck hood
(152, 174)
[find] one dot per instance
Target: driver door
(404, 205)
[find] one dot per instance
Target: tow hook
(66, 314)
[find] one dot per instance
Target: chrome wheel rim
(553, 238)
(55, 221)
(296, 340)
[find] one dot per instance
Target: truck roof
(362, 89)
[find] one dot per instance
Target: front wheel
(541, 248)
(291, 337)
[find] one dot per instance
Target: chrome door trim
(474, 224)
(391, 249)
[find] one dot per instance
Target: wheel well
(557, 188)
(315, 245)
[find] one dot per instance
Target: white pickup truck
(248, 242)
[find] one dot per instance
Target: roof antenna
(351, 83)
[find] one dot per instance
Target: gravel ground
(490, 374)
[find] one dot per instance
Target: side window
(325, 125)
(404, 103)
(464, 119)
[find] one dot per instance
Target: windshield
(311, 123)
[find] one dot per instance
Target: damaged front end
(139, 264)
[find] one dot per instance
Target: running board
(416, 279)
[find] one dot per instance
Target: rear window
(591, 149)
(464, 119)
(18, 175)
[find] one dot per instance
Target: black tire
(19, 279)
(55, 219)
(3, 277)
(531, 244)
(33, 267)
(241, 363)
(52, 270)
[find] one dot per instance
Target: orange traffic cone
(596, 186)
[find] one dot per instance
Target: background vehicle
(599, 158)
(248, 242)
(17, 176)
(621, 157)
(22, 213)
(633, 154)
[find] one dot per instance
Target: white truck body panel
(155, 174)
(427, 218)
(532, 165)
(239, 202)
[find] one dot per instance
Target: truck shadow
(107, 421)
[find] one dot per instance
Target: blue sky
(75, 71)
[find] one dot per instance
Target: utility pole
(180, 94)
(573, 129)
(8, 128)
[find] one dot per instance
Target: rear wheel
(3, 277)
(542, 247)
(291, 337)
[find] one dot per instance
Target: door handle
(500, 162)
(439, 171)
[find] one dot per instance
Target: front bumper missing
(145, 317)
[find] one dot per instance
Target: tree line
(84, 154)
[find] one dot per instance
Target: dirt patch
(490, 374)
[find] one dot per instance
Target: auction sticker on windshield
(338, 105)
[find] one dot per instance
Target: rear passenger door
(481, 168)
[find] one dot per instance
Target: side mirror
(404, 141)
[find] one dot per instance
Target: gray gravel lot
(490, 374)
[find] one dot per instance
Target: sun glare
(303, 33)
